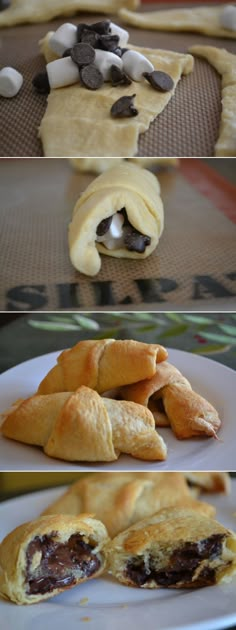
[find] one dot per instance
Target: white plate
(110, 605)
(211, 379)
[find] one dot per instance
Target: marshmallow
(62, 72)
(135, 64)
(228, 17)
(114, 237)
(114, 29)
(116, 227)
(65, 37)
(104, 60)
(10, 82)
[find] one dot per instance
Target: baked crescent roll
(24, 11)
(209, 481)
(120, 214)
(206, 20)
(44, 557)
(175, 548)
(121, 499)
(82, 426)
(172, 401)
(102, 365)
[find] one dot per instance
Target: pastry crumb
(86, 619)
(83, 601)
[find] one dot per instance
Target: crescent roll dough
(99, 165)
(170, 397)
(22, 11)
(102, 365)
(121, 499)
(82, 426)
(44, 557)
(225, 64)
(127, 187)
(175, 548)
(206, 20)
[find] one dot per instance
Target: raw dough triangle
(225, 63)
(78, 123)
(204, 20)
(22, 11)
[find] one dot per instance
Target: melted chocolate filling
(59, 563)
(133, 239)
(181, 567)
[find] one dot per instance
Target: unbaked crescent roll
(102, 365)
(120, 214)
(24, 11)
(175, 548)
(121, 499)
(82, 426)
(172, 401)
(99, 165)
(52, 554)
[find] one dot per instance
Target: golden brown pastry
(24, 11)
(175, 548)
(209, 481)
(225, 64)
(82, 426)
(171, 399)
(121, 499)
(41, 558)
(127, 196)
(102, 365)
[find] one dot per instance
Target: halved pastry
(172, 401)
(175, 548)
(82, 426)
(121, 499)
(21, 11)
(209, 20)
(102, 365)
(44, 557)
(120, 214)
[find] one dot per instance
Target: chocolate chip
(104, 226)
(159, 80)
(90, 37)
(135, 241)
(118, 77)
(117, 52)
(91, 77)
(4, 4)
(124, 107)
(80, 29)
(41, 83)
(124, 50)
(67, 52)
(83, 54)
(102, 28)
(109, 42)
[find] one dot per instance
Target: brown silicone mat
(187, 127)
(193, 267)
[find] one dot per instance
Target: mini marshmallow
(135, 64)
(116, 227)
(62, 72)
(123, 35)
(228, 17)
(10, 82)
(104, 60)
(65, 37)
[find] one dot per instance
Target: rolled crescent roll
(120, 214)
(121, 499)
(82, 426)
(52, 554)
(102, 365)
(209, 481)
(169, 395)
(21, 11)
(175, 548)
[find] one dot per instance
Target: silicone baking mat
(187, 127)
(193, 267)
